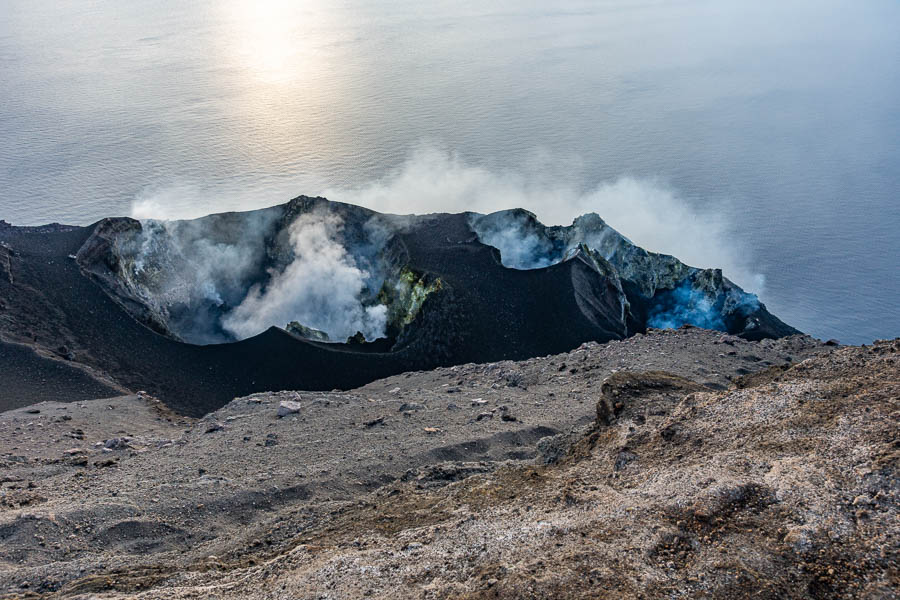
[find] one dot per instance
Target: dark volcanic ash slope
(320, 295)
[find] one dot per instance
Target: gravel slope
(746, 475)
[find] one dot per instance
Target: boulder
(288, 407)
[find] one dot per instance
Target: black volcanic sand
(485, 312)
(28, 378)
(169, 493)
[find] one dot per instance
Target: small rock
(288, 407)
(271, 440)
(117, 443)
(484, 415)
(507, 417)
(374, 422)
(213, 427)
(669, 432)
(394, 391)
(478, 402)
(407, 406)
(431, 430)
(624, 457)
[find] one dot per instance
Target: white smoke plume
(518, 249)
(169, 203)
(431, 179)
(189, 270)
(648, 213)
(321, 288)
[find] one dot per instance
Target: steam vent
(314, 294)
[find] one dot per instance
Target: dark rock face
(195, 312)
(101, 257)
(660, 291)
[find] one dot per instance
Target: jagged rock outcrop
(661, 291)
(183, 277)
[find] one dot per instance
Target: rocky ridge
(318, 295)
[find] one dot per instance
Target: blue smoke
(686, 305)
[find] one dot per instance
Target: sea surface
(776, 123)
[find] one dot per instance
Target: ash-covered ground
(684, 463)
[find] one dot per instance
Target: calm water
(783, 118)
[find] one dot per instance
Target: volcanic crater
(317, 295)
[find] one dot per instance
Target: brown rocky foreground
(674, 464)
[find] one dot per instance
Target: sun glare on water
(277, 62)
(275, 38)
